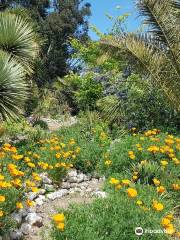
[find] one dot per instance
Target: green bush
(42, 124)
(113, 218)
(93, 144)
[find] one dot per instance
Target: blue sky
(102, 7)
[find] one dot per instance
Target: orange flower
(131, 192)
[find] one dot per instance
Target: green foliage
(138, 103)
(156, 52)
(93, 143)
(113, 218)
(83, 90)
(92, 54)
(42, 124)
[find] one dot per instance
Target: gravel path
(50, 208)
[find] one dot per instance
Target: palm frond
(17, 38)
(149, 59)
(163, 21)
(13, 88)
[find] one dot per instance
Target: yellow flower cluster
(59, 221)
(164, 152)
(21, 170)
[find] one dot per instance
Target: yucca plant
(155, 52)
(17, 51)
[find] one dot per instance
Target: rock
(25, 228)
(49, 188)
(34, 219)
(31, 195)
(83, 188)
(94, 180)
(42, 191)
(100, 194)
(46, 180)
(84, 184)
(16, 235)
(1, 238)
(17, 217)
(58, 194)
(87, 177)
(80, 178)
(72, 173)
(88, 190)
(72, 185)
(72, 179)
(40, 200)
(23, 212)
(65, 185)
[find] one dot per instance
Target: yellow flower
(60, 226)
(131, 192)
(161, 189)
(2, 198)
(17, 157)
(29, 203)
(156, 181)
(58, 218)
(169, 141)
(157, 206)
(118, 186)
(31, 165)
(1, 213)
(114, 181)
(108, 162)
(164, 163)
(58, 155)
(19, 205)
(135, 177)
(1, 177)
(170, 229)
(27, 159)
(139, 202)
(35, 189)
(153, 149)
(176, 187)
(165, 222)
(126, 182)
(169, 216)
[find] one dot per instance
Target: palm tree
(17, 51)
(155, 52)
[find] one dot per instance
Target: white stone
(49, 187)
(100, 194)
(84, 184)
(88, 190)
(87, 177)
(72, 179)
(31, 195)
(23, 212)
(72, 173)
(25, 228)
(34, 219)
(46, 180)
(80, 178)
(42, 191)
(58, 194)
(65, 185)
(16, 235)
(94, 180)
(17, 217)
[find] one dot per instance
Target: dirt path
(50, 208)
